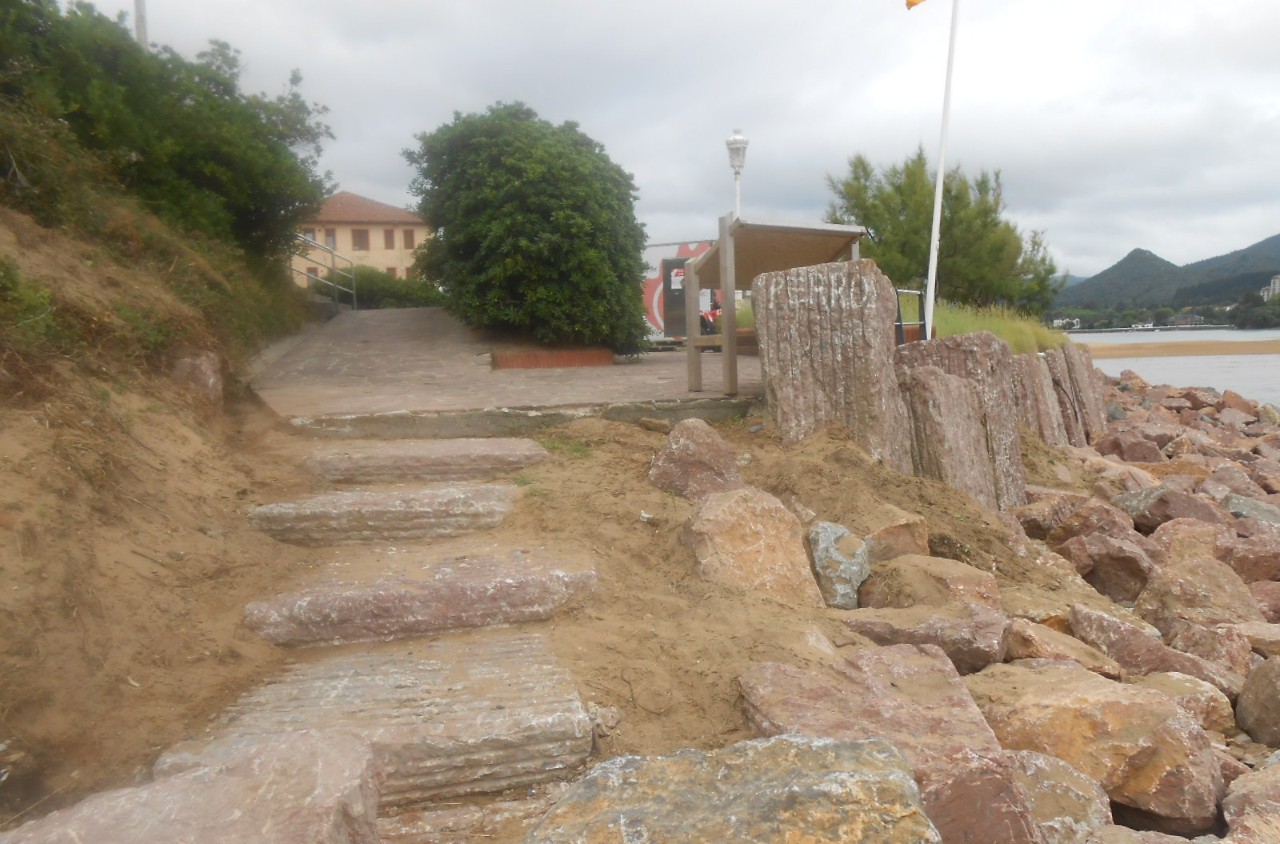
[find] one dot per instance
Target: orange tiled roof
(347, 207)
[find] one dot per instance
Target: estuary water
(1253, 376)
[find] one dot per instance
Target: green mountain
(1141, 276)
(1145, 279)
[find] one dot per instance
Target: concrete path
(421, 359)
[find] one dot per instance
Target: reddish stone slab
(428, 461)
(695, 462)
(445, 595)
(366, 516)
(306, 788)
(468, 713)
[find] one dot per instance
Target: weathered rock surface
(1199, 590)
(1137, 743)
(464, 822)
(1125, 835)
(971, 635)
(948, 443)
(1152, 507)
(1065, 804)
(202, 373)
(354, 516)
(839, 563)
(304, 788)
(1114, 565)
(958, 786)
(1046, 509)
(1087, 388)
(1263, 638)
(1202, 701)
(1035, 399)
(480, 712)
(891, 532)
(1257, 794)
(748, 539)
(1093, 516)
(789, 788)
(1222, 644)
(827, 340)
(908, 694)
(1257, 711)
(1267, 594)
(695, 462)
(1069, 404)
(428, 461)
(1130, 446)
(1140, 652)
(445, 595)
(985, 364)
(1028, 640)
(1251, 508)
(915, 579)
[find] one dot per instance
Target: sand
(1181, 348)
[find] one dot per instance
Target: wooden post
(728, 304)
(692, 327)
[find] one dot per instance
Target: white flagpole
(931, 286)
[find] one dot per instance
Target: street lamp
(737, 145)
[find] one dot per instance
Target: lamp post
(737, 145)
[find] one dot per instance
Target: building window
(408, 238)
(391, 271)
(314, 272)
(309, 234)
(360, 240)
(388, 238)
(331, 238)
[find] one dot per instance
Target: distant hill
(1146, 279)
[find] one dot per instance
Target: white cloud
(1147, 123)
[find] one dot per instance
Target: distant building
(1272, 289)
(368, 232)
(1067, 324)
(1186, 319)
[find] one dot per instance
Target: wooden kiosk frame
(743, 251)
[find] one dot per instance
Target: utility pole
(140, 23)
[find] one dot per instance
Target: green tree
(179, 134)
(534, 228)
(983, 259)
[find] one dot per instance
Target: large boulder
(908, 694)
(1036, 401)
(789, 788)
(985, 364)
(1255, 794)
(1202, 701)
(1199, 590)
(695, 462)
(1137, 743)
(956, 786)
(1256, 710)
(839, 563)
(1141, 651)
(971, 635)
(1116, 566)
(748, 539)
(1026, 639)
(1152, 507)
(827, 340)
(914, 579)
(1066, 804)
(1092, 516)
(1267, 594)
(303, 788)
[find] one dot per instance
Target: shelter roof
(761, 247)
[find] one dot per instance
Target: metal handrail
(303, 247)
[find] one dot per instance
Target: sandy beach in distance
(1181, 348)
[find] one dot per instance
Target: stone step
(355, 516)
(379, 461)
(424, 598)
(464, 714)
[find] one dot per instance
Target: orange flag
(911, 3)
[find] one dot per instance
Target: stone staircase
(420, 674)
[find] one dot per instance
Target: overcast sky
(1116, 123)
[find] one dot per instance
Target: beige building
(364, 231)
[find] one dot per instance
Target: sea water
(1255, 377)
